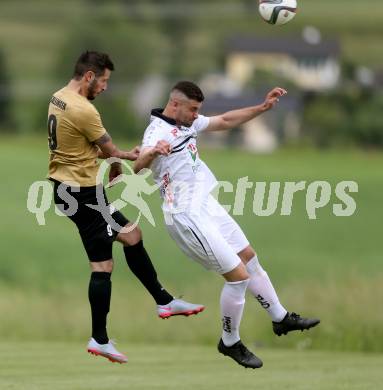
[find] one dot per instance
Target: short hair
(92, 60)
(190, 90)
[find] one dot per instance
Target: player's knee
(238, 274)
(130, 236)
(102, 266)
(247, 254)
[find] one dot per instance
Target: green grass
(290, 245)
(329, 267)
(46, 366)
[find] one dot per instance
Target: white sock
(232, 303)
(263, 290)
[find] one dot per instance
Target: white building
(309, 66)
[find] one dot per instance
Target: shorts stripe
(195, 235)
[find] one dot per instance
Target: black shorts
(96, 233)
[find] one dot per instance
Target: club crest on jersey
(193, 151)
(175, 132)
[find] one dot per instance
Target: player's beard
(186, 123)
(92, 90)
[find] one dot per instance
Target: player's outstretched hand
(162, 148)
(133, 154)
(273, 97)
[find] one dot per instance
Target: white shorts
(211, 237)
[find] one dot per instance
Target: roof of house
(294, 46)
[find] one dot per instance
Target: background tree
(5, 97)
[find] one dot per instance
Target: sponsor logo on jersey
(193, 151)
(58, 103)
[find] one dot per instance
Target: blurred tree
(176, 27)
(350, 116)
(5, 97)
(186, 27)
(325, 121)
(367, 121)
(264, 79)
(135, 51)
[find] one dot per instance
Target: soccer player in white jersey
(198, 223)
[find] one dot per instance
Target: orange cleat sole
(188, 313)
(110, 358)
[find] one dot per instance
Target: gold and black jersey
(73, 126)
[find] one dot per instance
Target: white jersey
(183, 178)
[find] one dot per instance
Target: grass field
(46, 366)
(329, 267)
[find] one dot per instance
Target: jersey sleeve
(90, 125)
(201, 123)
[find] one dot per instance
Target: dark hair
(94, 61)
(191, 90)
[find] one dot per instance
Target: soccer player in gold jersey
(77, 138)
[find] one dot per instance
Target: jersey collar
(157, 112)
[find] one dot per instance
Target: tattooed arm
(108, 149)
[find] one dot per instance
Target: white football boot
(106, 350)
(178, 307)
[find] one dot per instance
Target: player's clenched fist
(162, 148)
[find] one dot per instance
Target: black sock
(139, 262)
(100, 289)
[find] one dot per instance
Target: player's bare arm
(231, 119)
(147, 155)
(108, 149)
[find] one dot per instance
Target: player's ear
(89, 76)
